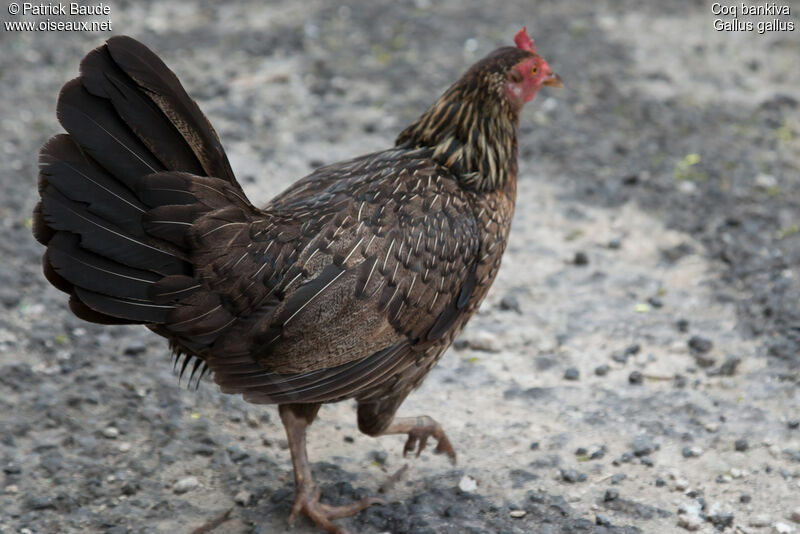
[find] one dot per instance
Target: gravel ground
(634, 369)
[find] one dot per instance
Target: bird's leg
(419, 429)
(296, 418)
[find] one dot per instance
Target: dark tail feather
(162, 86)
(113, 216)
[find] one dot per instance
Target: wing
(344, 281)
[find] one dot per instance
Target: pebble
(690, 522)
(124, 446)
(646, 460)
(572, 373)
(660, 482)
(484, 341)
(602, 370)
(185, 484)
(700, 344)
(682, 325)
(691, 452)
(467, 484)
(243, 498)
(719, 517)
(741, 445)
(611, 494)
(602, 520)
(681, 484)
(744, 498)
(111, 432)
(11, 489)
(510, 303)
(759, 521)
(580, 259)
(636, 378)
(572, 476)
(782, 528)
(796, 515)
(517, 514)
(135, 348)
(736, 472)
(643, 445)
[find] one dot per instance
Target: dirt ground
(635, 368)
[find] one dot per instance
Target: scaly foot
(307, 501)
(419, 429)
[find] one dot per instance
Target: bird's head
(531, 72)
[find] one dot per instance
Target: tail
(118, 190)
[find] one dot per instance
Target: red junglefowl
(350, 284)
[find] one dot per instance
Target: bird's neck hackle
(472, 134)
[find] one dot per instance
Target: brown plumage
(349, 284)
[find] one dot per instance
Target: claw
(419, 429)
(307, 502)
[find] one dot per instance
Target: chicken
(350, 284)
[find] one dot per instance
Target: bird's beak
(553, 80)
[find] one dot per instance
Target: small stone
(741, 445)
(736, 473)
(655, 302)
(766, 182)
(793, 424)
(581, 451)
(124, 446)
(691, 452)
(185, 484)
(690, 522)
(580, 259)
(611, 494)
(720, 518)
(782, 528)
(729, 366)
(682, 325)
(636, 378)
(242, 498)
(618, 478)
(134, 348)
(510, 303)
(572, 374)
(643, 445)
(484, 341)
(646, 460)
(467, 484)
(12, 468)
(660, 482)
(681, 484)
(615, 243)
(11, 489)
(795, 515)
(744, 498)
(700, 345)
(572, 476)
(517, 514)
(602, 520)
(535, 446)
(759, 521)
(599, 453)
(379, 457)
(110, 432)
(602, 370)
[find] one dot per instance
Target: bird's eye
(534, 70)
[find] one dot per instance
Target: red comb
(523, 40)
